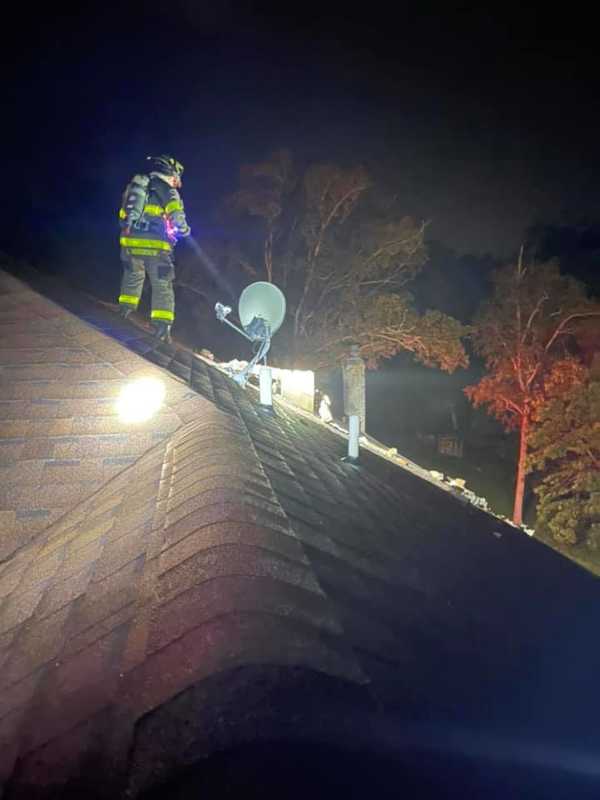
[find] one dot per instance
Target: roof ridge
(334, 612)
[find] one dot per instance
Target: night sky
(486, 122)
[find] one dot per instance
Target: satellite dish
(261, 310)
(262, 301)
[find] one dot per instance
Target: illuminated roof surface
(161, 582)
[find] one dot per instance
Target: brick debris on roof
(226, 547)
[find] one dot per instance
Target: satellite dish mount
(261, 310)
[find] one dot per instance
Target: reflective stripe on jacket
(163, 214)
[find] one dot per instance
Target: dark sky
(486, 121)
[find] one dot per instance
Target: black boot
(125, 311)
(162, 331)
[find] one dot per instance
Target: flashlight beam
(209, 264)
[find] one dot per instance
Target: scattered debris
(231, 367)
(458, 487)
(474, 499)
(325, 409)
(524, 528)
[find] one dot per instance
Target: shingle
(44, 410)
(14, 409)
(261, 595)
(117, 554)
(81, 556)
(37, 644)
(25, 529)
(226, 560)
(39, 340)
(41, 447)
(67, 470)
(115, 467)
(212, 443)
(209, 476)
(109, 500)
(64, 591)
(42, 568)
(33, 512)
(80, 687)
(21, 473)
(18, 695)
(10, 451)
(10, 574)
(189, 409)
(131, 516)
(118, 587)
(116, 444)
(233, 641)
(180, 506)
(175, 551)
(61, 372)
(79, 639)
(275, 464)
(97, 424)
(208, 464)
(57, 355)
(19, 606)
(11, 542)
(234, 510)
(72, 526)
(21, 326)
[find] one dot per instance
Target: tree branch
(532, 316)
(559, 329)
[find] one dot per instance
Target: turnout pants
(161, 271)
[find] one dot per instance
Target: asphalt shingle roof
(157, 575)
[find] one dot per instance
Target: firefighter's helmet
(167, 165)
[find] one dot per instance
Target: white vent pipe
(266, 386)
(353, 436)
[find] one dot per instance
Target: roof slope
(235, 559)
(60, 438)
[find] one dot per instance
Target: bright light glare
(140, 400)
(297, 381)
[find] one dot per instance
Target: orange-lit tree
(343, 254)
(565, 449)
(526, 335)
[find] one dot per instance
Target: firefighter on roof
(152, 219)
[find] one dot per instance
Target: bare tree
(343, 258)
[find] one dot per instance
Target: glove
(174, 233)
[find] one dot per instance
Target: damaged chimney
(353, 368)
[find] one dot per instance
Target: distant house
(212, 601)
(450, 444)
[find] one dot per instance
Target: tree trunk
(520, 483)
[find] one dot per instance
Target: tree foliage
(343, 252)
(526, 335)
(262, 193)
(385, 324)
(565, 448)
